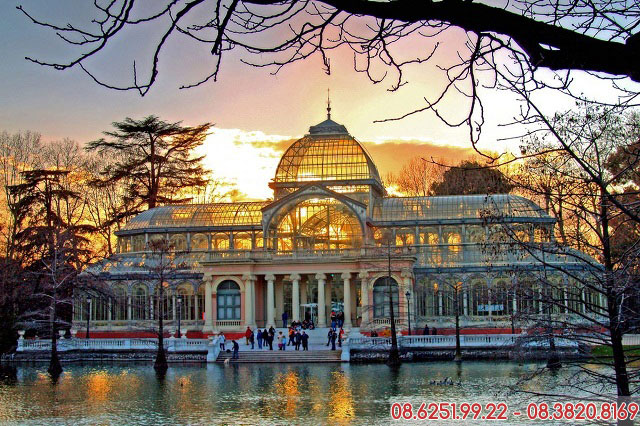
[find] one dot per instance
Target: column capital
(321, 276)
(363, 275)
(270, 277)
(346, 275)
(295, 277)
(207, 278)
(249, 277)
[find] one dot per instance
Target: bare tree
(511, 47)
(598, 290)
(416, 177)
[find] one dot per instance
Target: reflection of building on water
(322, 243)
(341, 402)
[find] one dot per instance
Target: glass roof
(194, 215)
(458, 207)
(327, 153)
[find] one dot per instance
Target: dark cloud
(390, 156)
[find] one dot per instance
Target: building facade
(330, 240)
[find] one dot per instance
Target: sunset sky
(256, 114)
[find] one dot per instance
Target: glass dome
(328, 153)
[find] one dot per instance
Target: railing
(227, 323)
(171, 344)
(387, 321)
(466, 341)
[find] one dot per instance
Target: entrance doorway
(310, 312)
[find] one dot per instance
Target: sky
(256, 115)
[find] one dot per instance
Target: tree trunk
(161, 358)
(55, 369)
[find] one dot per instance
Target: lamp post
(408, 295)
(179, 313)
(88, 313)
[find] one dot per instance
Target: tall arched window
(139, 302)
(481, 303)
(502, 295)
(119, 304)
(228, 298)
(200, 304)
(381, 297)
(187, 304)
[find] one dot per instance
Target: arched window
(241, 241)
(405, 237)
(315, 224)
(138, 243)
(119, 304)
(219, 241)
(381, 298)
(481, 303)
(139, 302)
(199, 242)
(228, 300)
(178, 242)
(124, 244)
(200, 303)
(502, 297)
(187, 304)
(527, 295)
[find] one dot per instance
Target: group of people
(337, 319)
(306, 324)
(265, 338)
(334, 335)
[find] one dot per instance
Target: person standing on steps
(279, 340)
(222, 340)
(285, 317)
(259, 337)
(297, 337)
(271, 337)
(329, 334)
(340, 334)
(291, 333)
(252, 340)
(426, 330)
(247, 333)
(305, 341)
(333, 341)
(236, 347)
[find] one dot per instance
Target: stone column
(270, 300)
(196, 306)
(295, 297)
(346, 279)
(173, 300)
(322, 310)
(364, 298)
(249, 300)
(465, 302)
(208, 311)
(129, 316)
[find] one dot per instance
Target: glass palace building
(328, 241)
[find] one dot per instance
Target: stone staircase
(287, 356)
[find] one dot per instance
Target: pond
(254, 393)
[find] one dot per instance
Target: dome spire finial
(328, 104)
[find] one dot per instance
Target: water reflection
(256, 394)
